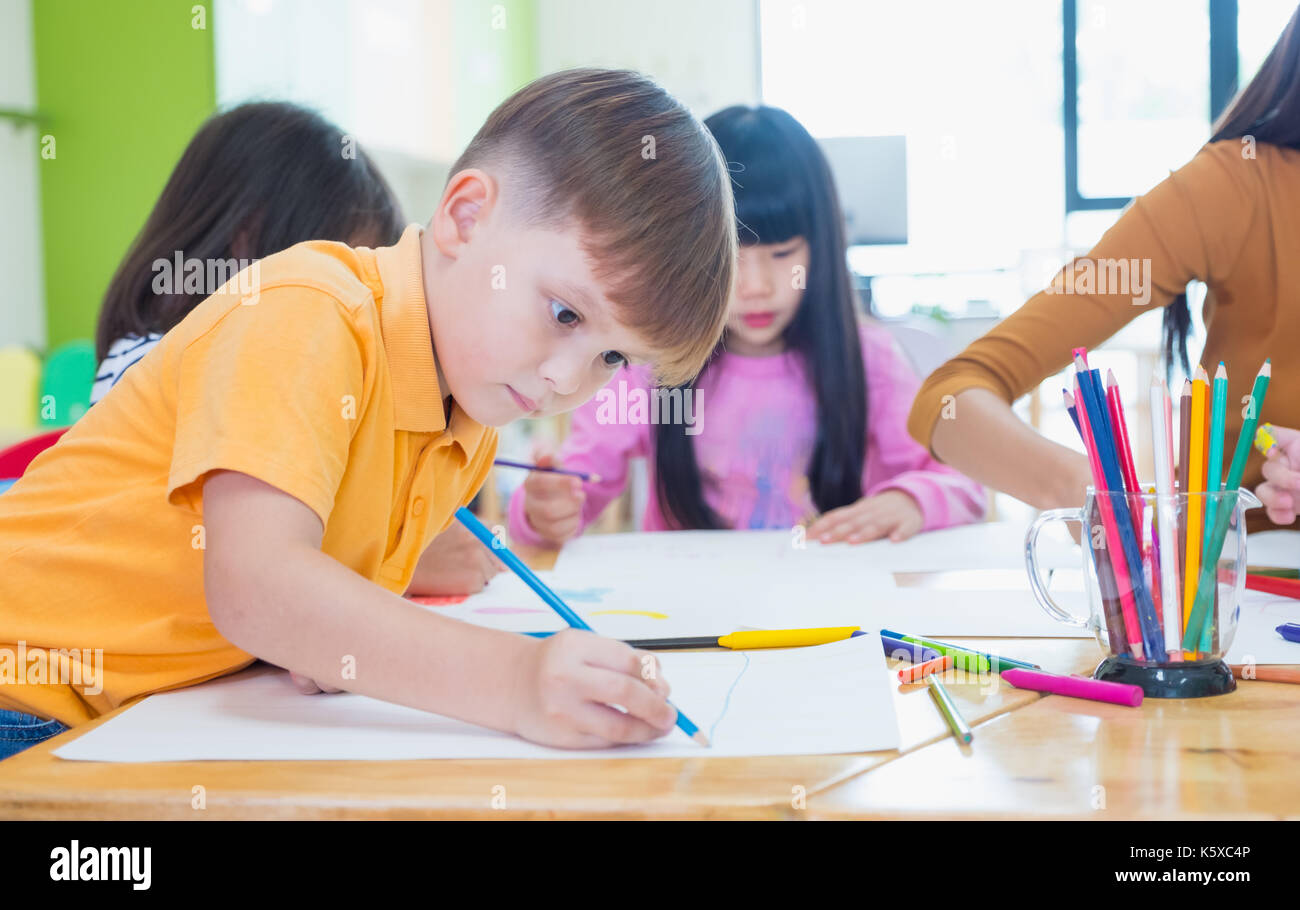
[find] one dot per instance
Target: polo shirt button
(417, 507)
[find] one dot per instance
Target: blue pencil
(1094, 400)
(516, 565)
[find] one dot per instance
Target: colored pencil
(1166, 512)
(1205, 584)
(1069, 407)
(744, 640)
(1105, 574)
(948, 708)
(552, 600)
(507, 463)
(1151, 553)
(1275, 571)
(1285, 587)
(1113, 553)
(1184, 448)
(1214, 472)
(1266, 673)
(1128, 468)
(1104, 438)
(1195, 503)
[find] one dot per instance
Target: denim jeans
(19, 731)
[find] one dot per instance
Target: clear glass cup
(1127, 609)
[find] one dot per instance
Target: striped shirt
(124, 354)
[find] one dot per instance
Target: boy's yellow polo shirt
(322, 384)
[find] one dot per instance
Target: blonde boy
(265, 482)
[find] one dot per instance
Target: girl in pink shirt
(801, 414)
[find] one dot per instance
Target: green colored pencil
(960, 728)
(1200, 623)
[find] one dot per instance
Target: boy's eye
(562, 314)
(613, 359)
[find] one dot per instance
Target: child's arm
(1280, 491)
(548, 509)
(271, 592)
(454, 563)
(905, 490)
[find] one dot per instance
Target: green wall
(513, 48)
(124, 84)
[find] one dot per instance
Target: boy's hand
(455, 562)
(893, 514)
(553, 502)
(1280, 491)
(564, 693)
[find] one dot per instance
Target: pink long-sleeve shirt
(753, 423)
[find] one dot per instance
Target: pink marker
(1073, 686)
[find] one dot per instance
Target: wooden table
(1032, 757)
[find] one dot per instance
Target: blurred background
(977, 145)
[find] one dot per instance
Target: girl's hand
(565, 693)
(553, 502)
(893, 514)
(1280, 491)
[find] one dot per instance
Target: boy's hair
(253, 181)
(614, 153)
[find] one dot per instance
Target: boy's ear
(468, 200)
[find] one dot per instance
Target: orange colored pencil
(1196, 470)
(1267, 674)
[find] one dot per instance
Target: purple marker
(905, 650)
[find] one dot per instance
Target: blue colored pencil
(1094, 400)
(516, 565)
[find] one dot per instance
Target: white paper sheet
(645, 604)
(805, 701)
(1256, 638)
(654, 606)
(993, 545)
(1274, 548)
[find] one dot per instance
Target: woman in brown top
(1229, 218)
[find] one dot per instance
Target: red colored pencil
(1131, 628)
(1286, 587)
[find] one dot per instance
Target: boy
(263, 484)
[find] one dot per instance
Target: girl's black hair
(253, 181)
(784, 189)
(1268, 109)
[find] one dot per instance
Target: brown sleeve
(1192, 225)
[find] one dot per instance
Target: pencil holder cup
(1135, 556)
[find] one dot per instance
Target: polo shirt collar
(404, 321)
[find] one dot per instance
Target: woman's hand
(893, 514)
(1280, 491)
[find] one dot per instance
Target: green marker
(972, 661)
